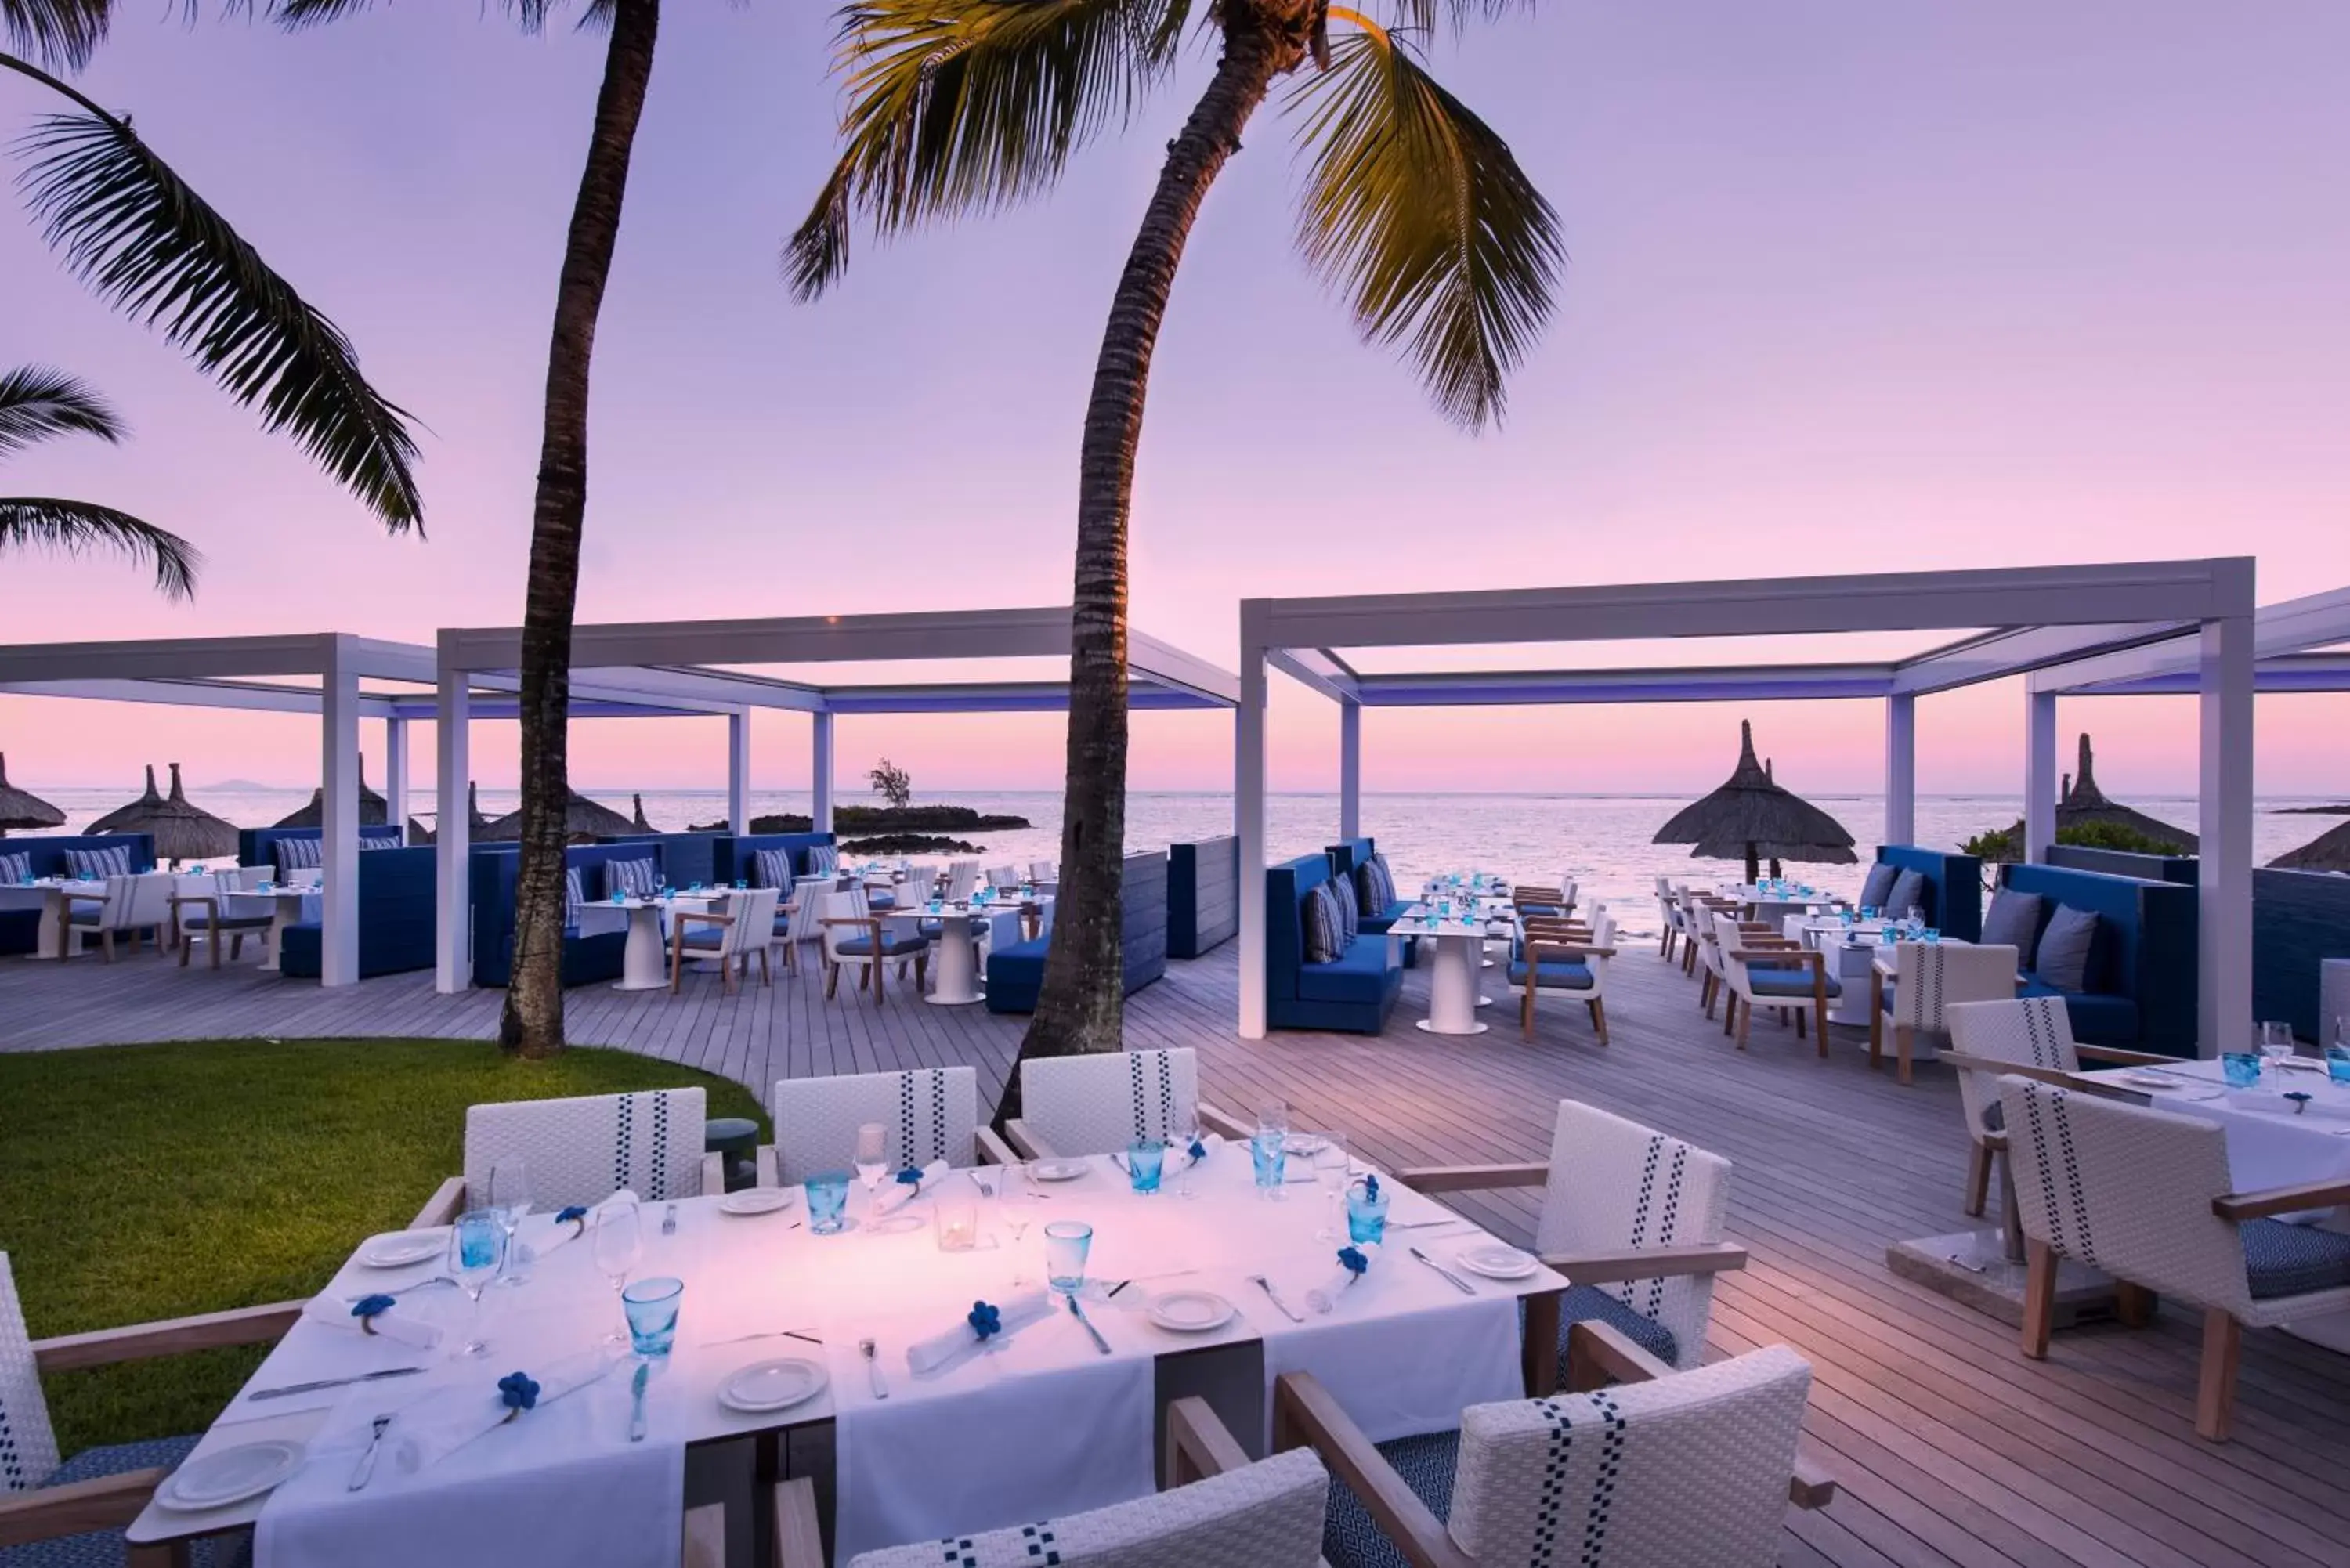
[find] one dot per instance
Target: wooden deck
(1949, 1445)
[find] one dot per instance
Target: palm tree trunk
(1081, 1004)
(532, 1021)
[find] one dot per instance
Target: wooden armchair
(1568, 957)
(1783, 974)
(856, 936)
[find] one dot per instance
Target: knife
(313, 1388)
(1274, 1296)
(1463, 1287)
(1079, 1313)
(637, 1398)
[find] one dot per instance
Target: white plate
(756, 1200)
(1306, 1143)
(1058, 1170)
(1190, 1312)
(229, 1476)
(1496, 1261)
(773, 1386)
(408, 1247)
(2152, 1081)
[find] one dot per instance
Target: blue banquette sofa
(20, 930)
(1352, 992)
(735, 858)
(397, 911)
(1952, 900)
(2141, 985)
(585, 958)
(258, 845)
(687, 857)
(1015, 973)
(1204, 895)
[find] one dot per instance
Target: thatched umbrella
(20, 809)
(374, 810)
(584, 822)
(181, 829)
(1751, 817)
(2329, 851)
(640, 824)
(119, 820)
(2084, 804)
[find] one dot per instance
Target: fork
(1267, 1286)
(366, 1467)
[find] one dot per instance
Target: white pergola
(2198, 614)
(697, 667)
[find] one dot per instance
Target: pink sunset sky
(1854, 287)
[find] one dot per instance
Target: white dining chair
(962, 876)
(1100, 1102)
(1782, 974)
(1003, 877)
(199, 911)
(930, 1114)
(1043, 871)
(129, 906)
(1668, 919)
(2143, 1196)
(855, 938)
(802, 921)
(583, 1149)
(745, 926)
(1568, 959)
(1929, 977)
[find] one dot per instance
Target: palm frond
(529, 14)
(1422, 16)
(37, 402)
(137, 234)
(56, 32)
(77, 527)
(1416, 210)
(958, 105)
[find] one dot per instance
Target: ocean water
(1604, 841)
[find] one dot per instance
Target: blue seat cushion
(1570, 976)
(2282, 1260)
(893, 943)
(880, 901)
(1357, 975)
(1589, 1304)
(104, 1548)
(2098, 1018)
(1352, 1539)
(702, 937)
(1382, 919)
(1789, 982)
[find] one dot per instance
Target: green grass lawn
(149, 1181)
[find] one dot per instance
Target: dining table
(280, 905)
(644, 958)
(1458, 935)
(51, 896)
(937, 1430)
(954, 963)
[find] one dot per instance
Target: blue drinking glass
(2243, 1067)
(2337, 1063)
(1929, 936)
(651, 1306)
(1366, 1215)
(1269, 1150)
(1145, 1159)
(1066, 1242)
(827, 1202)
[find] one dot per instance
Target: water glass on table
(477, 1249)
(1188, 1134)
(1145, 1159)
(1015, 1205)
(1367, 1212)
(2242, 1068)
(1268, 1152)
(510, 1196)
(2276, 1040)
(872, 1159)
(1066, 1242)
(828, 1196)
(651, 1308)
(1331, 1167)
(619, 1244)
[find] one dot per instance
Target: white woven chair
(745, 926)
(1218, 1510)
(1668, 919)
(800, 922)
(2144, 1195)
(195, 906)
(962, 876)
(1781, 974)
(1715, 929)
(855, 938)
(1099, 1103)
(931, 1113)
(1928, 977)
(1633, 1217)
(74, 1513)
(1042, 871)
(582, 1150)
(1556, 956)
(1664, 1469)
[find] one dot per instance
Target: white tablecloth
(2268, 1144)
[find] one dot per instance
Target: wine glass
(510, 1197)
(1187, 1131)
(1331, 1167)
(619, 1244)
(2276, 1041)
(1273, 1116)
(477, 1250)
(872, 1158)
(1017, 1207)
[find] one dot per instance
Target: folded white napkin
(930, 1355)
(334, 1311)
(440, 1424)
(568, 1232)
(895, 1194)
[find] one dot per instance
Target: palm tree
(35, 403)
(1412, 207)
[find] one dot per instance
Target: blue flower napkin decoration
(1198, 1151)
(367, 1309)
(519, 1392)
(1356, 1264)
(2299, 1099)
(911, 1176)
(575, 1216)
(985, 1321)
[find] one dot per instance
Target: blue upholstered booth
(1354, 992)
(397, 908)
(1953, 903)
(1204, 895)
(1015, 973)
(687, 857)
(20, 930)
(2180, 868)
(1344, 859)
(2300, 919)
(735, 857)
(585, 958)
(256, 845)
(2141, 990)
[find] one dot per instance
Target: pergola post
(1350, 770)
(339, 855)
(820, 779)
(2224, 826)
(1248, 813)
(454, 968)
(395, 767)
(2039, 774)
(738, 772)
(1901, 768)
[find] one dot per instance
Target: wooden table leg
(1541, 1347)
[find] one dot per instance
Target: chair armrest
(1769, 952)
(1222, 1121)
(1030, 1146)
(1575, 949)
(703, 1543)
(109, 1502)
(799, 1530)
(2242, 1206)
(991, 1150)
(1597, 1355)
(1198, 1444)
(1304, 1414)
(167, 1336)
(681, 918)
(444, 1207)
(1472, 1178)
(2121, 1058)
(713, 1174)
(1648, 1263)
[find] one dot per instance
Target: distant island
(2341, 810)
(245, 786)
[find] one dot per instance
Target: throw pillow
(2063, 960)
(638, 878)
(1909, 893)
(824, 860)
(15, 868)
(387, 842)
(1350, 914)
(574, 896)
(774, 869)
(114, 860)
(1879, 885)
(295, 854)
(1320, 913)
(1383, 885)
(2013, 921)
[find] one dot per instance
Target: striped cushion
(386, 841)
(15, 868)
(824, 860)
(639, 879)
(1325, 935)
(1375, 884)
(112, 861)
(574, 896)
(772, 868)
(295, 854)
(1350, 914)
